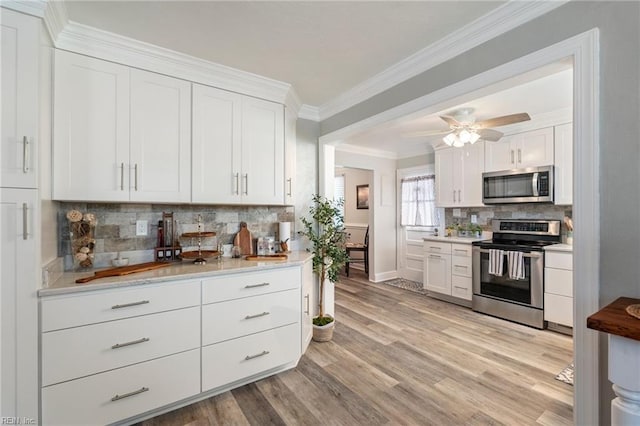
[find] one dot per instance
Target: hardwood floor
(403, 358)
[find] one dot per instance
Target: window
(418, 200)
(338, 191)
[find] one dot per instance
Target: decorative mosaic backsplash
(509, 211)
(116, 227)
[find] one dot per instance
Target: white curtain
(418, 201)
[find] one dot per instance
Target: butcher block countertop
(614, 319)
(184, 270)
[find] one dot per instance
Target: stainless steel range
(508, 271)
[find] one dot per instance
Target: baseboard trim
(385, 276)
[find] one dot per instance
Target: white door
(308, 305)
(262, 180)
(18, 147)
(437, 273)
(473, 167)
(535, 148)
(563, 164)
(216, 147)
(91, 129)
(500, 155)
(160, 165)
(445, 190)
(19, 304)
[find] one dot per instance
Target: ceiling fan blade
(451, 121)
(490, 134)
(502, 121)
(425, 133)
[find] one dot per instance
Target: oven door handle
(533, 254)
(535, 185)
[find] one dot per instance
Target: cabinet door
(444, 160)
(262, 180)
(535, 148)
(160, 164)
(563, 162)
(437, 273)
(216, 145)
(500, 155)
(19, 304)
(471, 175)
(308, 305)
(91, 129)
(18, 147)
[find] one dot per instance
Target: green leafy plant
(328, 239)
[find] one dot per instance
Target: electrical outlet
(474, 218)
(457, 213)
(141, 227)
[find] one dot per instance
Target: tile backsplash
(116, 227)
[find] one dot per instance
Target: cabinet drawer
(461, 266)
(558, 309)
(461, 287)
(237, 286)
(108, 305)
(81, 351)
(90, 400)
(558, 281)
(437, 247)
(249, 315)
(463, 250)
(229, 361)
(558, 260)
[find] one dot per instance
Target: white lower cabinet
(119, 394)
(447, 269)
(558, 287)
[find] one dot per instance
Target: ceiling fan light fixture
(450, 139)
(458, 143)
(474, 138)
(465, 136)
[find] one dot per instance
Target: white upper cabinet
(459, 176)
(528, 149)
(19, 145)
(120, 134)
(563, 171)
(91, 129)
(238, 148)
(160, 151)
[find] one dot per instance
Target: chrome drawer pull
(462, 250)
(307, 297)
(126, 305)
(256, 315)
(127, 395)
(256, 285)
(435, 248)
(248, 357)
(460, 288)
(460, 266)
(433, 256)
(133, 342)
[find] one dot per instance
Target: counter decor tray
(123, 270)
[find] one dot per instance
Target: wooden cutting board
(267, 257)
(123, 270)
(243, 240)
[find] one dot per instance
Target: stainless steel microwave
(530, 185)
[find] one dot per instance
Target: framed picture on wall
(362, 196)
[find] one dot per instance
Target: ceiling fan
(463, 127)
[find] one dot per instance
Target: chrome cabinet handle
(263, 314)
(290, 188)
(133, 342)
(25, 155)
(433, 256)
(460, 266)
(263, 353)
(25, 221)
(121, 176)
(307, 310)
(135, 169)
(255, 285)
(461, 288)
(246, 184)
(237, 176)
(519, 155)
(435, 248)
(512, 155)
(127, 305)
(126, 395)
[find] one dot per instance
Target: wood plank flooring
(401, 358)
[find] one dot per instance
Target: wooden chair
(351, 247)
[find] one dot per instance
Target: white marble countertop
(559, 247)
(184, 270)
(457, 240)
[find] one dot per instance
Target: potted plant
(329, 255)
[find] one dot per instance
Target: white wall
(382, 211)
(353, 178)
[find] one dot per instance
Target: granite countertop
(559, 247)
(457, 240)
(184, 270)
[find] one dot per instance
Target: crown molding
(500, 20)
(55, 18)
(371, 152)
(309, 112)
(29, 7)
(105, 45)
